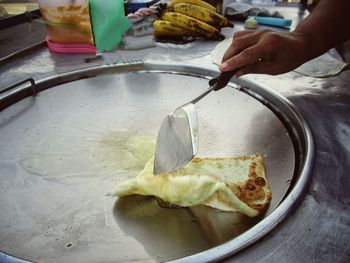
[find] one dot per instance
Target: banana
(165, 29)
(193, 25)
(202, 14)
(193, 2)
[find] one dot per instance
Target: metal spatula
(177, 141)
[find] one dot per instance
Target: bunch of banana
(192, 2)
(165, 29)
(183, 18)
(205, 15)
(192, 24)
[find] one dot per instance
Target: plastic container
(76, 48)
(67, 21)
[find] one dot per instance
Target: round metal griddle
(65, 149)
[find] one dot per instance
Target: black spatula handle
(215, 84)
(222, 80)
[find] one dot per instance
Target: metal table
(318, 230)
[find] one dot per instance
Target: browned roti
(230, 184)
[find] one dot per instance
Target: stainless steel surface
(318, 229)
(177, 140)
(103, 123)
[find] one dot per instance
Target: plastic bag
(67, 21)
(96, 22)
(109, 23)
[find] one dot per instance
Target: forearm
(327, 26)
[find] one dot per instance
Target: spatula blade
(177, 141)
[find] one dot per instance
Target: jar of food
(67, 21)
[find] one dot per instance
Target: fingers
(264, 52)
(250, 50)
(249, 56)
(242, 40)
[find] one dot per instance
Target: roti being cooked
(229, 184)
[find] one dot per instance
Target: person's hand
(265, 52)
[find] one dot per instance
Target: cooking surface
(65, 149)
(319, 228)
